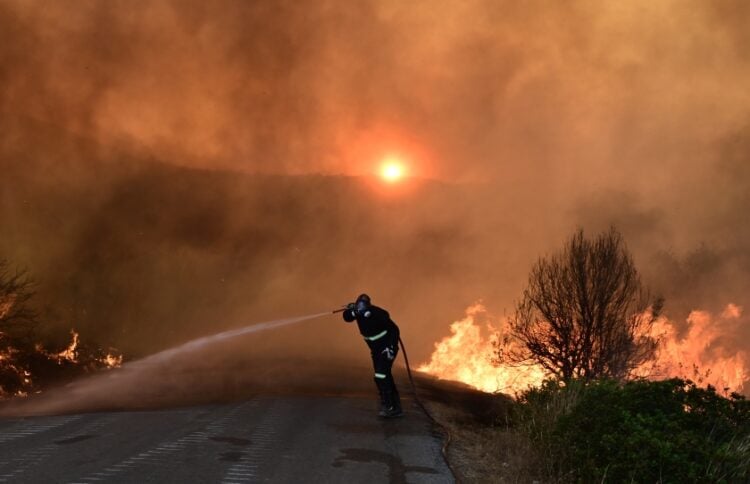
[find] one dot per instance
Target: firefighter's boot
(381, 392)
(396, 404)
(393, 404)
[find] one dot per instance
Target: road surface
(294, 439)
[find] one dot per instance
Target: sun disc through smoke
(392, 170)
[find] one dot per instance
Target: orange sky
(530, 119)
(472, 90)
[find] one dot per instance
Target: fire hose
(443, 428)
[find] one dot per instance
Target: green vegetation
(638, 431)
(585, 318)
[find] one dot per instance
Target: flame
(112, 361)
(469, 356)
(6, 304)
(70, 353)
(85, 359)
(700, 354)
(470, 353)
(7, 357)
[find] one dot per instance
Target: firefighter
(381, 335)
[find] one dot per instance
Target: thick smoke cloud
(488, 88)
(146, 150)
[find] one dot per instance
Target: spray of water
(136, 382)
(200, 343)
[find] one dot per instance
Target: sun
(392, 170)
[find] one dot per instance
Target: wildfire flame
(6, 362)
(70, 353)
(700, 354)
(6, 304)
(112, 361)
(470, 353)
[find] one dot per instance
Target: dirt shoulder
(482, 447)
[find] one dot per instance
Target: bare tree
(585, 313)
(25, 363)
(17, 318)
(17, 323)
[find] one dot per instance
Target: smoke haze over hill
(168, 169)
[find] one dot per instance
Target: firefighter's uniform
(382, 335)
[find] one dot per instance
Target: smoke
(202, 370)
(170, 169)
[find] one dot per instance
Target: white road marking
(152, 456)
(262, 439)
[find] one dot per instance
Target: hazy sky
(608, 94)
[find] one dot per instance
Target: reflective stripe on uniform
(377, 336)
(382, 376)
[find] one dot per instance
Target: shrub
(643, 431)
(537, 414)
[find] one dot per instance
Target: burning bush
(25, 364)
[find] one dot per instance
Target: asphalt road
(294, 439)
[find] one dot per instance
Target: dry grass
(481, 453)
(483, 448)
